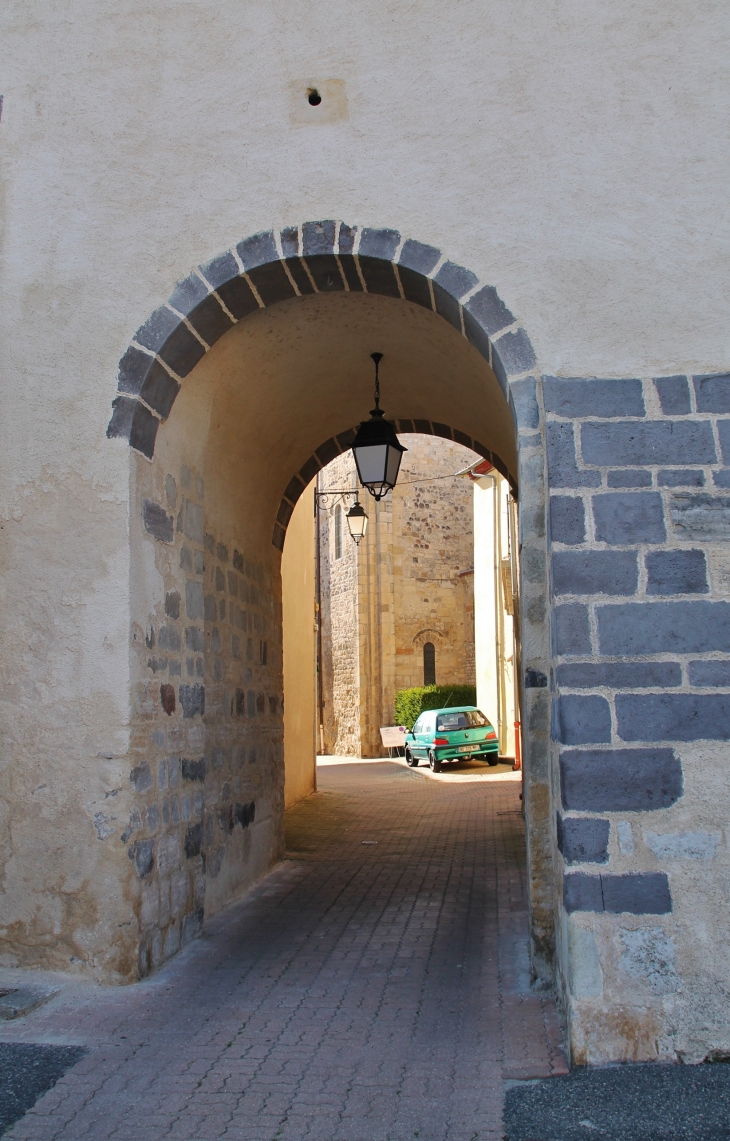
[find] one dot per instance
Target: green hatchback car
(454, 734)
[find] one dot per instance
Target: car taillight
(491, 733)
(441, 740)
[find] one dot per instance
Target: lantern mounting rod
(377, 357)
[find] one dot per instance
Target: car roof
(454, 709)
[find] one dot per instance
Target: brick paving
(362, 992)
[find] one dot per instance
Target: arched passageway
(233, 394)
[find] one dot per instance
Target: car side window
(417, 726)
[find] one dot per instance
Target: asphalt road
(623, 1103)
(27, 1071)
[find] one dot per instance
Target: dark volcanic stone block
(673, 716)
(571, 629)
(582, 892)
(187, 294)
(595, 572)
(487, 307)
(578, 398)
(710, 673)
(133, 422)
(257, 250)
(455, 279)
(318, 238)
(583, 720)
(629, 478)
(346, 240)
(562, 467)
(326, 274)
(418, 257)
(142, 855)
(446, 306)
(271, 283)
(626, 517)
(157, 522)
(515, 352)
(644, 893)
(210, 320)
(379, 276)
(632, 443)
(676, 572)
(192, 700)
(415, 287)
(567, 519)
(181, 351)
(524, 396)
(634, 629)
(220, 269)
(721, 478)
(620, 780)
(583, 839)
(681, 477)
(673, 392)
(703, 518)
(618, 675)
(379, 243)
(712, 393)
(238, 297)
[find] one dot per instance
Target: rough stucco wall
(299, 649)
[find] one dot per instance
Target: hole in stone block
(313, 97)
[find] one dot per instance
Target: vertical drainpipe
(318, 580)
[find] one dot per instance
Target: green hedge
(410, 703)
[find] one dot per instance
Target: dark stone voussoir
(181, 351)
(220, 269)
(415, 287)
(599, 398)
(346, 238)
(144, 376)
(379, 243)
(447, 306)
(488, 309)
(325, 273)
(271, 282)
(455, 279)
(515, 351)
(418, 257)
(379, 276)
(157, 328)
(635, 629)
(583, 839)
(673, 716)
(259, 249)
(187, 294)
(133, 422)
(523, 394)
(210, 320)
(635, 443)
(582, 720)
(318, 238)
(620, 780)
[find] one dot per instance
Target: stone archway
(269, 279)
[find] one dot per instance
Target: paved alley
(373, 987)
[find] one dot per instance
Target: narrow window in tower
(429, 663)
(338, 531)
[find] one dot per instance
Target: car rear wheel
(493, 760)
(411, 760)
(434, 765)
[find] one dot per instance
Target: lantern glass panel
(394, 458)
(371, 463)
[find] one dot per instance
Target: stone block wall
(207, 747)
(639, 524)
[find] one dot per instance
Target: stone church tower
(397, 610)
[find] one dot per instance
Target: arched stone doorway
(233, 394)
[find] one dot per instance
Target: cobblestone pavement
(371, 988)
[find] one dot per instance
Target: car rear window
(464, 719)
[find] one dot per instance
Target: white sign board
(393, 736)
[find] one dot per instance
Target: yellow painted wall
(300, 695)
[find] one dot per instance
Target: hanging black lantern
(357, 521)
(376, 448)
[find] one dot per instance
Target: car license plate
(469, 748)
